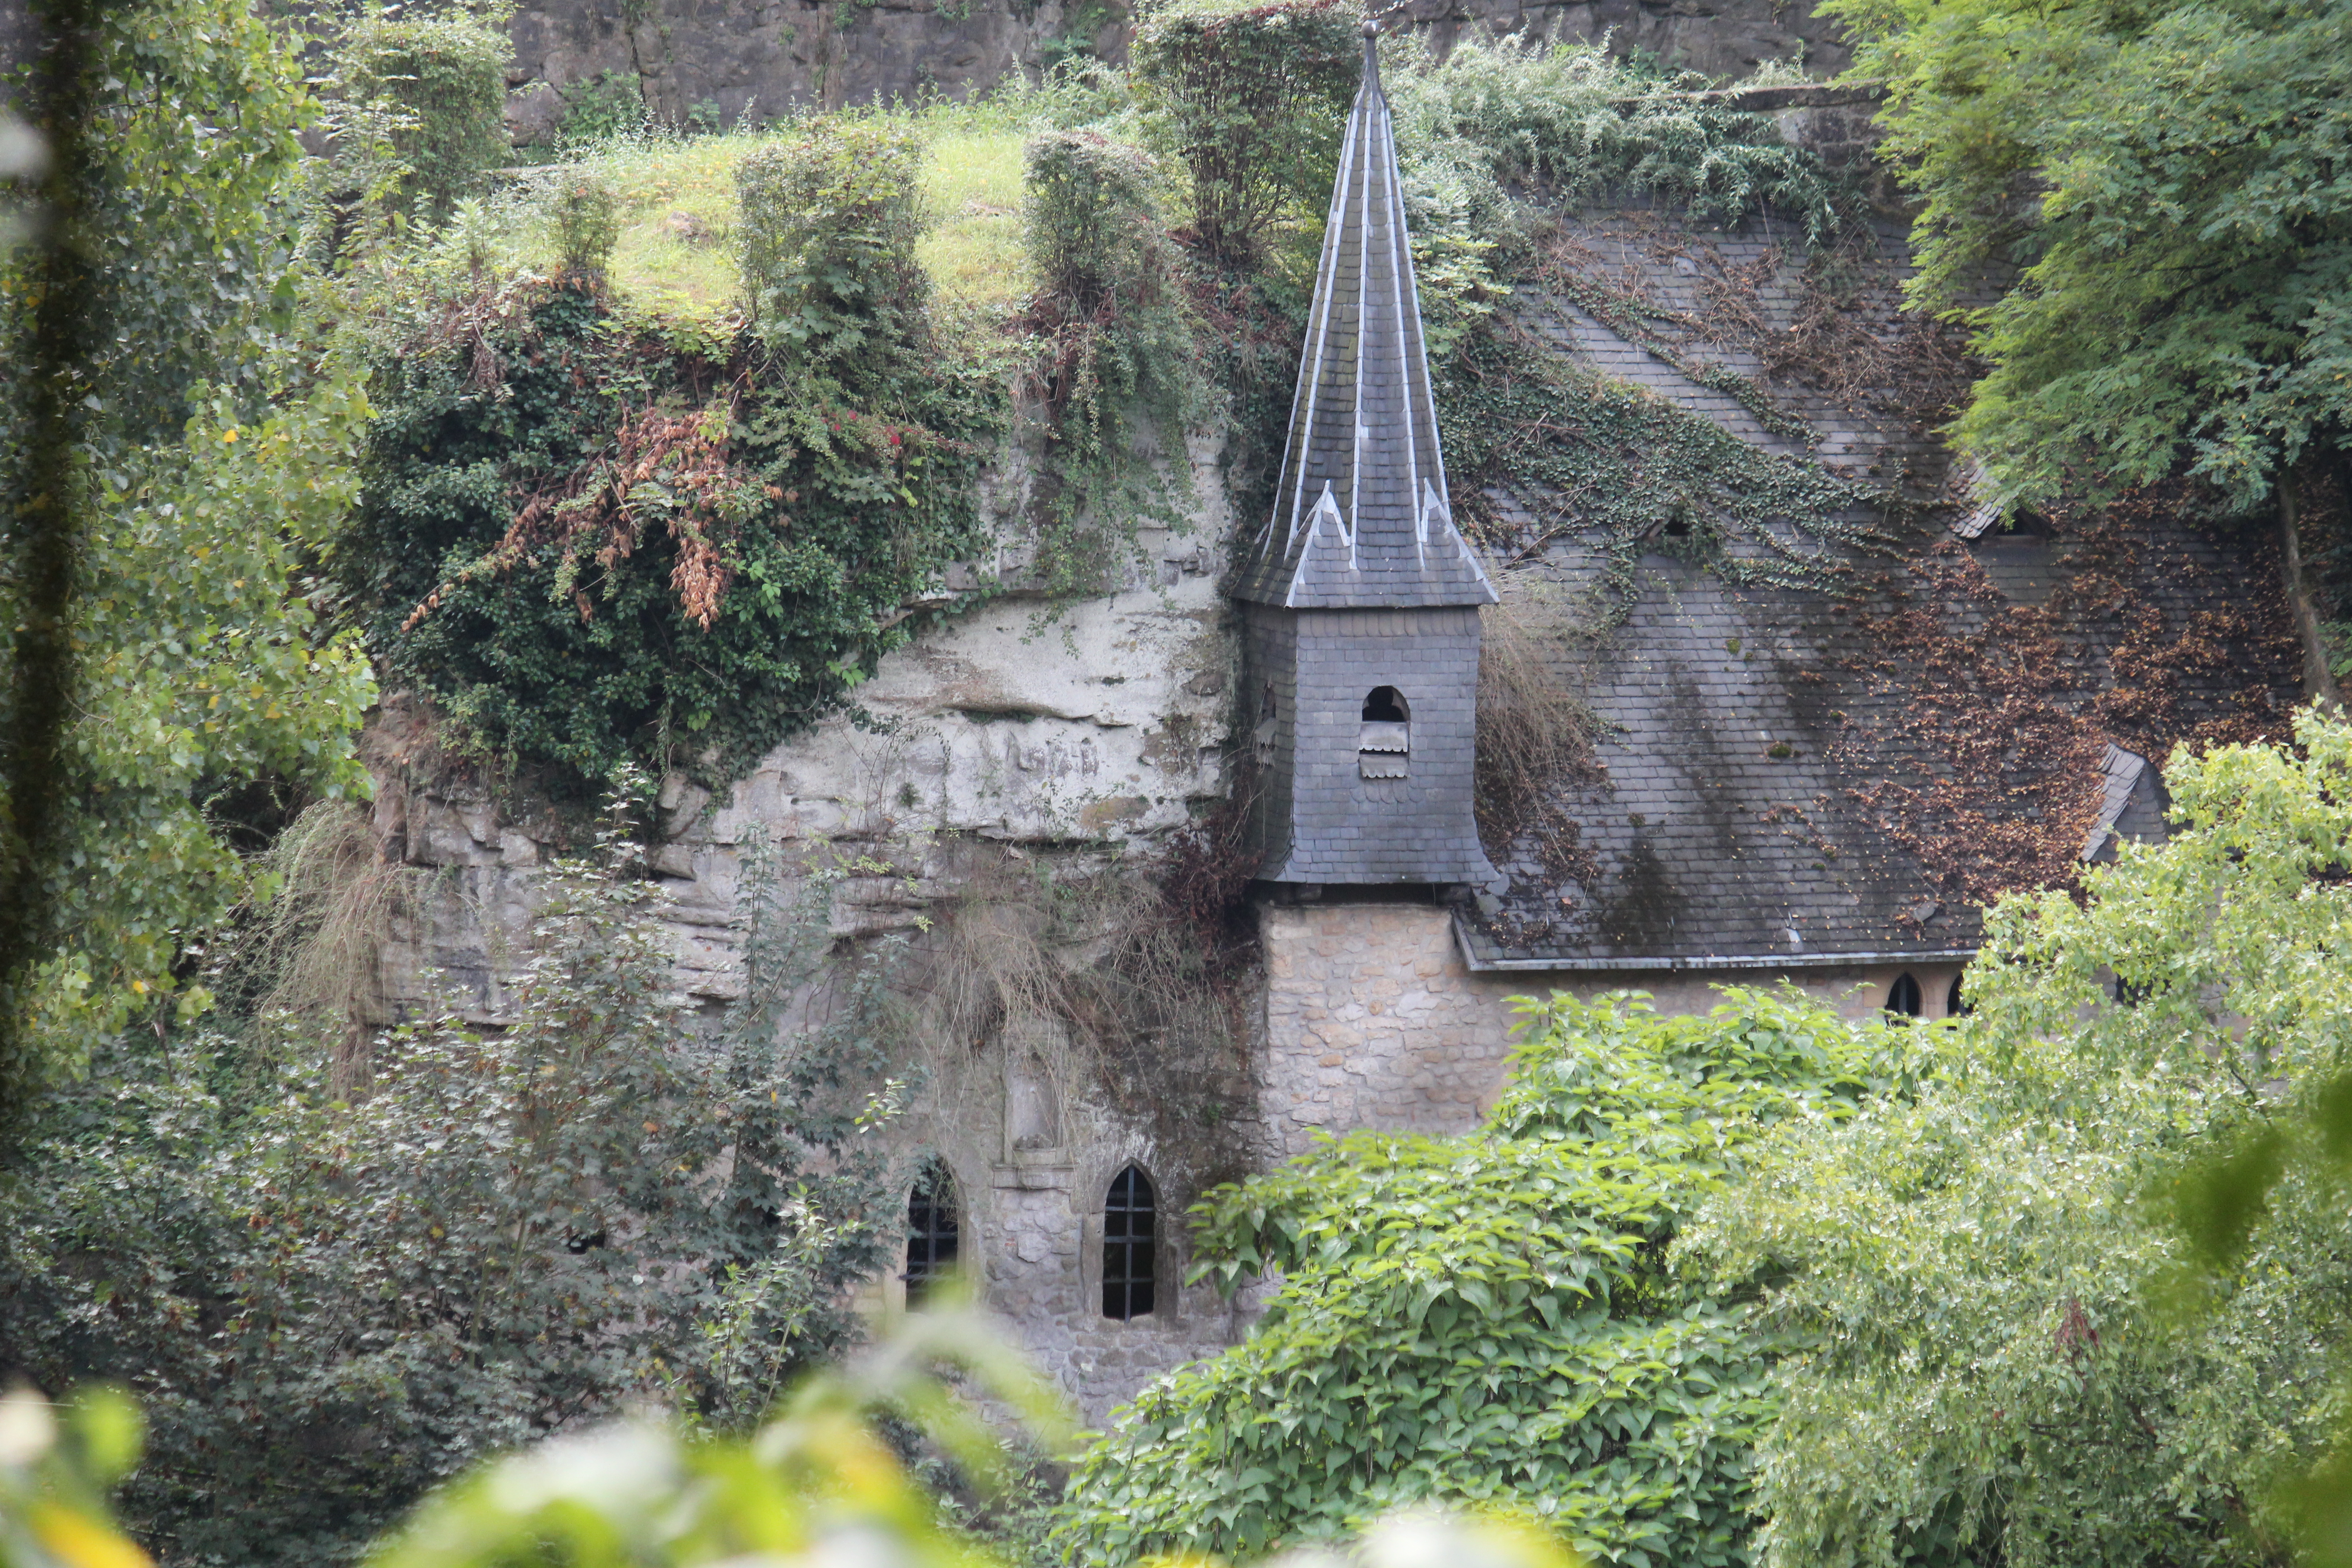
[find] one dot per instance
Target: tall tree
(174, 457)
(2017, 1352)
(2172, 183)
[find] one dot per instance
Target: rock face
(758, 58)
(755, 60)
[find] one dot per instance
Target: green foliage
(2046, 1324)
(1120, 358)
(590, 557)
(606, 108)
(219, 427)
(190, 230)
(1490, 1318)
(1249, 98)
(2169, 178)
(1628, 472)
(826, 240)
(444, 77)
(818, 1478)
(53, 1511)
(1587, 125)
(332, 1297)
(587, 224)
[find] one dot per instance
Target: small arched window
(1903, 998)
(1955, 1005)
(1262, 738)
(931, 1230)
(1130, 1234)
(1384, 745)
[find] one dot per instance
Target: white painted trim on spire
(1477, 566)
(1397, 278)
(1363, 293)
(1311, 374)
(1328, 505)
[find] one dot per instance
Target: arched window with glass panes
(1903, 997)
(932, 1233)
(1131, 1240)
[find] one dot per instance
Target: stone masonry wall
(1032, 1231)
(1375, 1019)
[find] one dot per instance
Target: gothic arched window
(1130, 1232)
(932, 1232)
(1384, 745)
(1955, 1005)
(1903, 998)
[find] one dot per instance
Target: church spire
(1361, 517)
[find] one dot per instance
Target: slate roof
(1361, 519)
(2132, 803)
(1800, 777)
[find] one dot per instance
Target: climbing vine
(1541, 448)
(595, 547)
(1117, 367)
(2011, 700)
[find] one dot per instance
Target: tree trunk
(2318, 682)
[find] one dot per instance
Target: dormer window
(1384, 745)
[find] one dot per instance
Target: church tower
(1360, 597)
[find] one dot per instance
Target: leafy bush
(593, 548)
(587, 224)
(606, 107)
(445, 79)
(2169, 179)
(2040, 1330)
(1120, 359)
(1249, 98)
(818, 1480)
(330, 1302)
(826, 240)
(1491, 1319)
(1587, 125)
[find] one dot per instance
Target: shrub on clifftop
(1249, 99)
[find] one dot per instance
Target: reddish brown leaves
(666, 469)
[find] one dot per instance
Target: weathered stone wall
(1373, 1018)
(1008, 740)
(764, 57)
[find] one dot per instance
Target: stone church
(1788, 782)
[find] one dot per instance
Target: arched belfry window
(931, 1230)
(1130, 1235)
(1385, 746)
(1903, 998)
(1955, 1005)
